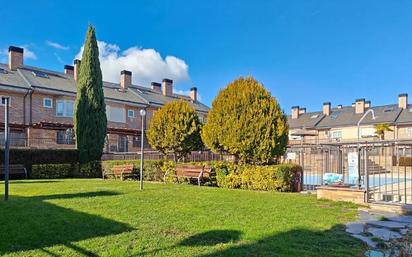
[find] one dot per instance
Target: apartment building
(42, 104)
(339, 123)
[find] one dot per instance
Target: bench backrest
(119, 169)
(192, 171)
(14, 169)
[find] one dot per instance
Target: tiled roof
(306, 120)
(11, 78)
(346, 116)
(156, 98)
(33, 77)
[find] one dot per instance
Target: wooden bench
(121, 171)
(191, 172)
(14, 169)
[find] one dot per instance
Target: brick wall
(16, 112)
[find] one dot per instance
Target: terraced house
(339, 124)
(41, 105)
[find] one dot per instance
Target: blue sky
(305, 52)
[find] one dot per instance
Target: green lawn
(113, 218)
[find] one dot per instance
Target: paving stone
(355, 227)
(384, 234)
(387, 224)
(366, 240)
(402, 219)
(374, 253)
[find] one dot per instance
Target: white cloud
(56, 45)
(28, 54)
(147, 65)
(59, 59)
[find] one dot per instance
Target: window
(64, 108)
(115, 114)
(408, 131)
(47, 102)
(40, 74)
(314, 116)
(137, 141)
(337, 134)
(367, 132)
(65, 137)
(3, 100)
(122, 144)
(130, 113)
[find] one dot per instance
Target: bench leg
(198, 181)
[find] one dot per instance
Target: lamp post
(142, 115)
(359, 122)
(6, 148)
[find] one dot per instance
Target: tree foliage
(90, 122)
(175, 128)
(380, 130)
(246, 121)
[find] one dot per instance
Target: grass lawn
(113, 218)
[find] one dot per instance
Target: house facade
(340, 123)
(41, 105)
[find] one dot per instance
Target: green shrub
(152, 170)
(283, 177)
(41, 156)
(91, 169)
(50, 171)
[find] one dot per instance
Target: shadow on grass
(208, 238)
(32, 181)
(32, 223)
(298, 242)
(212, 237)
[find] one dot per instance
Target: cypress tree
(90, 122)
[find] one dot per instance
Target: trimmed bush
(91, 169)
(282, 177)
(50, 171)
(153, 169)
(41, 156)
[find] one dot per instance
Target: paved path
(377, 229)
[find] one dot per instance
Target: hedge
(41, 156)
(153, 169)
(50, 171)
(283, 177)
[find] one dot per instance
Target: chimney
(15, 57)
(302, 110)
(69, 70)
(403, 101)
(326, 108)
(167, 87)
(125, 79)
(76, 70)
(295, 112)
(368, 104)
(360, 106)
(193, 94)
(157, 87)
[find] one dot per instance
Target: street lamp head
(142, 112)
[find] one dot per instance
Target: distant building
(41, 105)
(339, 124)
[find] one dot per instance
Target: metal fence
(154, 155)
(384, 167)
